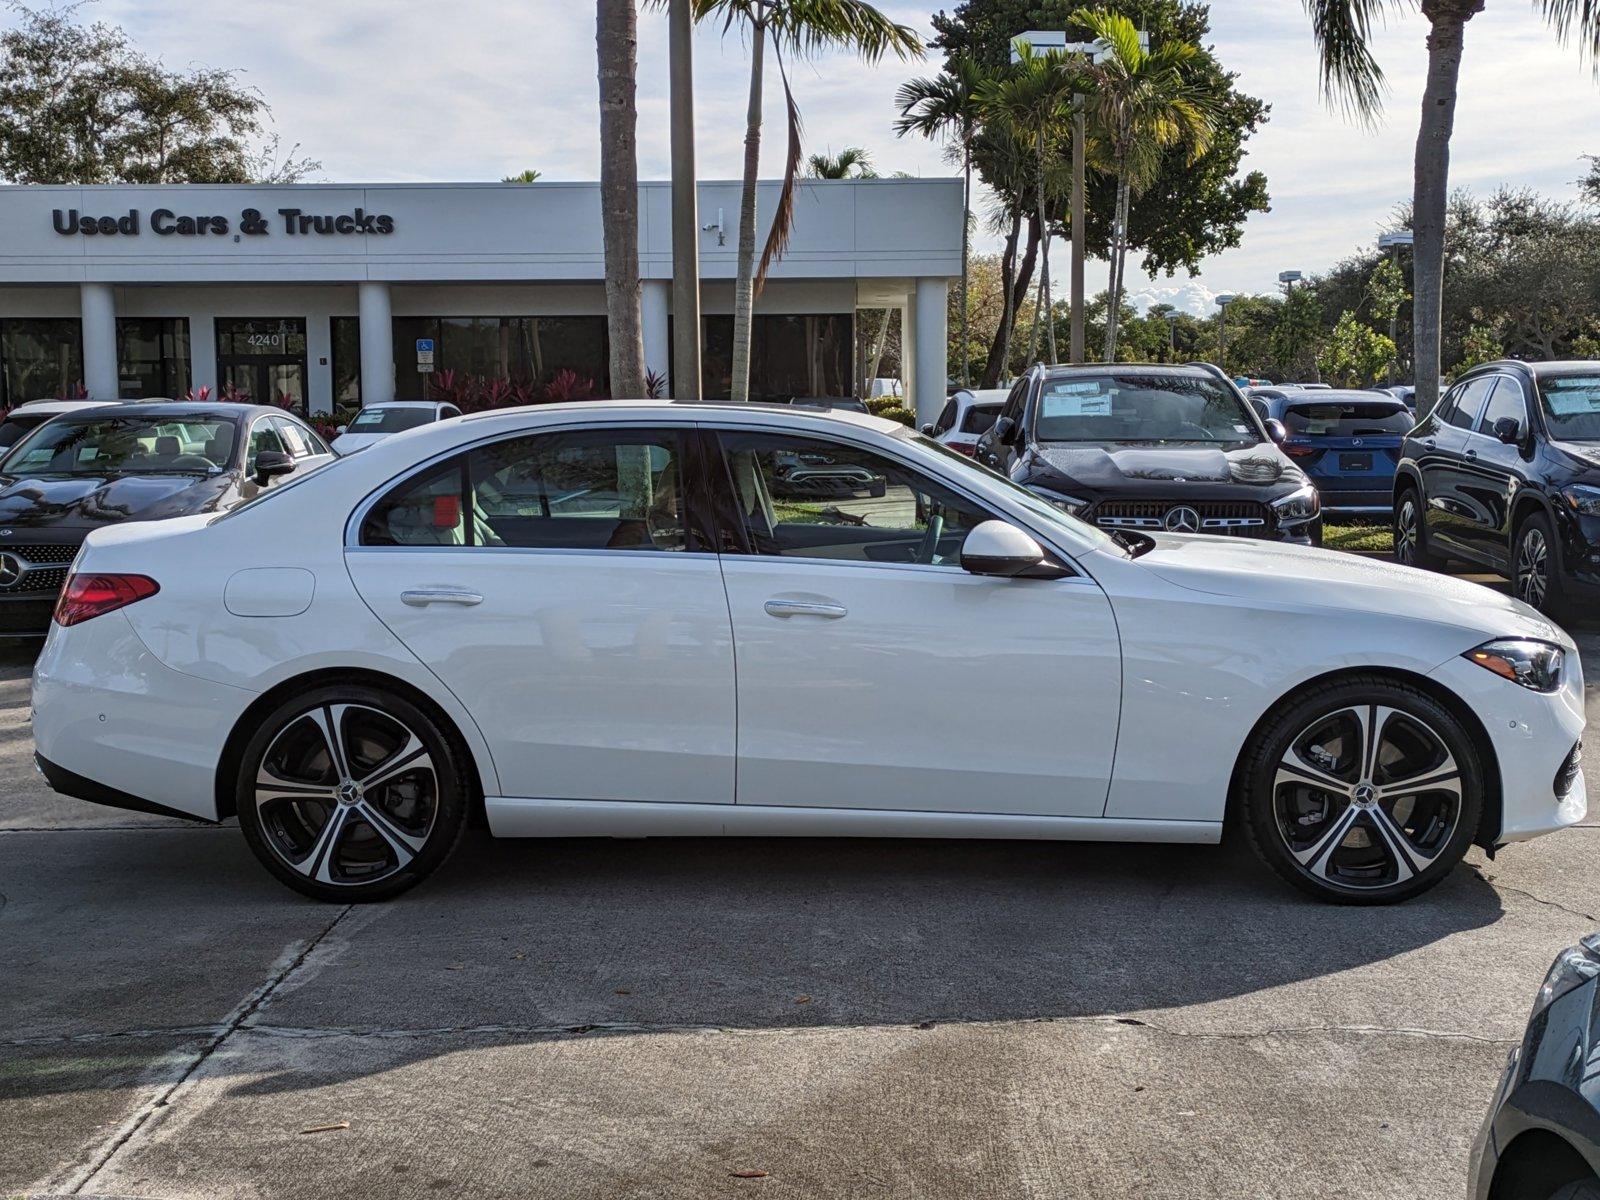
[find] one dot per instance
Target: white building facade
(322, 296)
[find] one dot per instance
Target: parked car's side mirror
(927, 429)
(1276, 431)
(341, 428)
(1000, 548)
(1003, 429)
(1508, 430)
(270, 463)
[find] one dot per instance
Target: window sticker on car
(1075, 400)
(1570, 401)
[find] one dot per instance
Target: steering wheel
(929, 550)
(1201, 433)
(193, 462)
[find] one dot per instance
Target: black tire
(1536, 576)
(1411, 532)
(1337, 844)
(393, 832)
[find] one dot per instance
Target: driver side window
(262, 437)
(801, 497)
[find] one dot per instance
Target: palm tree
(794, 27)
(616, 40)
(1034, 99)
(948, 106)
(528, 176)
(1343, 31)
(1141, 106)
(852, 162)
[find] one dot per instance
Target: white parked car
(25, 418)
(601, 619)
(378, 421)
(966, 416)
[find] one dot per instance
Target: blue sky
(470, 89)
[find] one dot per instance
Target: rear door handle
(1472, 454)
(422, 597)
(804, 608)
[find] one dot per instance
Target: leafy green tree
(793, 27)
(1343, 31)
(79, 104)
(1479, 346)
(1297, 335)
(853, 162)
(1355, 354)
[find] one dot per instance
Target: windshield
(1125, 407)
(17, 424)
(1572, 406)
(389, 420)
(1044, 511)
(1352, 418)
(122, 446)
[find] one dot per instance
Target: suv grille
(41, 554)
(1243, 518)
(34, 569)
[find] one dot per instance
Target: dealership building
(329, 295)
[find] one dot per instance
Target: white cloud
(1191, 296)
(476, 89)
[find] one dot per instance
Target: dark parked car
(128, 462)
(1541, 1139)
(1145, 448)
(1347, 442)
(1505, 473)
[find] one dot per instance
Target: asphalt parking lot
(763, 1018)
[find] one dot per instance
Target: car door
(874, 672)
(1442, 463)
(1494, 472)
(265, 434)
(562, 586)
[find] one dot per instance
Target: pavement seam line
(1494, 881)
(246, 1009)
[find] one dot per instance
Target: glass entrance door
(264, 359)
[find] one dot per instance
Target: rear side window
(979, 417)
(947, 418)
(1348, 419)
(294, 438)
(589, 490)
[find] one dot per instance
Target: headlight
(1582, 499)
(1572, 969)
(1299, 505)
(1070, 505)
(1535, 665)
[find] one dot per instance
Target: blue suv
(1347, 443)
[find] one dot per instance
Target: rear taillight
(970, 449)
(86, 596)
(1300, 451)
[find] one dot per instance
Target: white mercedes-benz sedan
(655, 619)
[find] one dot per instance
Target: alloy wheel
(1533, 567)
(347, 794)
(1405, 531)
(1367, 797)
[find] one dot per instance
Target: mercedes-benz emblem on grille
(12, 569)
(1182, 519)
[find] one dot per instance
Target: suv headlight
(1582, 499)
(1070, 505)
(1573, 968)
(1534, 665)
(1299, 505)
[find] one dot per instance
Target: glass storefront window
(40, 359)
(346, 341)
(806, 354)
(523, 349)
(263, 360)
(153, 357)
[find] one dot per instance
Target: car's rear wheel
(1536, 565)
(350, 793)
(1411, 533)
(1362, 792)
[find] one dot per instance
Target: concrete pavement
(669, 1019)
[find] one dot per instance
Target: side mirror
(270, 463)
(1000, 548)
(341, 428)
(1508, 430)
(1276, 431)
(1004, 427)
(927, 429)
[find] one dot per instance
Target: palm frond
(783, 217)
(1579, 19)
(1351, 77)
(810, 26)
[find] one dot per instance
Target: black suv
(1144, 448)
(1505, 472)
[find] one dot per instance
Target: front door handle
(422, 597)
(1472, 454)
(804, 608)
(1430, 444)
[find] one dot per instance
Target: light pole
(1055, 41)
(685, 205)
(1289, 279)
(1395, 241)
(1223, 301)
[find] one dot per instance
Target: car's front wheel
(1536, 569)
(1411, 533)
(350, 793)
(1365, 791)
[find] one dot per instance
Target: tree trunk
(966, 241)
(616, 40)
(1044, 266)
(1429, 201)
(744, 284)
(1017, 291)
(878, 345)
(1000, 346)
(1119, 238)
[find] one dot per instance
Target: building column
(909, 342)
(202, 352)
(655, 301)
(99, 310)
(932, 350)
(377, 342)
